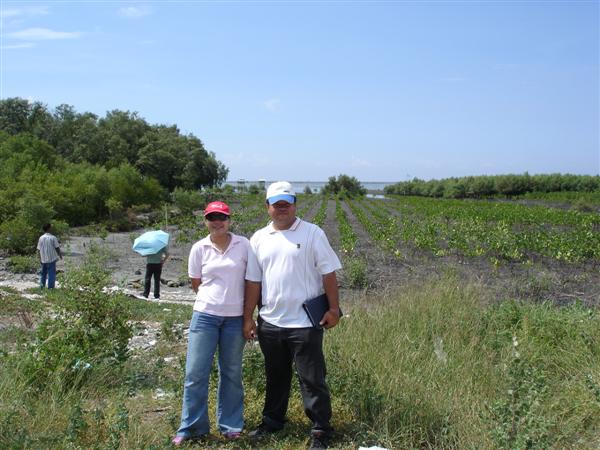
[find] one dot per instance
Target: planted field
(498, 230)
(527, 251)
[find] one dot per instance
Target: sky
(304, 90)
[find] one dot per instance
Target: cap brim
(281, 197)
(219, 211)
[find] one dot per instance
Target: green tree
(129, 187)
(344, 185)
(14, 115)
(122, 131)
(202, 168)
(163, 155)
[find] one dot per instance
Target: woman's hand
(249, 329)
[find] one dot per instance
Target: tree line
(78, 168)
(496, 185)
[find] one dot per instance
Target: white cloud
(17, 46)
(29, 11)
(272, 104)
(43, 34)
(10, 13)
(134, 11)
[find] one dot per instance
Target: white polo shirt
(222, 275)
(290, 264)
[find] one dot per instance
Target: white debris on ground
(146, 337)
(160, 394)
(21, 283)
(372, 448)
(147, 334)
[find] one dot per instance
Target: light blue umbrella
(151, 242)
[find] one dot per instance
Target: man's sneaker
(261, 431)
(318, 440)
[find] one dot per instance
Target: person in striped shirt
(49, 251)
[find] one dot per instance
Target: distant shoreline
(301, 181)
(372, 187)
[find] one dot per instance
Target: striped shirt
(47, 245)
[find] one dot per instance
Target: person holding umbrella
(154, 265)
(153, 245)
(216, 267)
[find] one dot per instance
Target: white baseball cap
(281, 190)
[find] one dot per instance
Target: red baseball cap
(218, 207)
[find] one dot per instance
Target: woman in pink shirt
(217, 266)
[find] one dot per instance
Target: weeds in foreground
(518, 418)
(88, 328)
(429, 367)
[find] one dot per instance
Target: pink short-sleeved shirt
(221, 291)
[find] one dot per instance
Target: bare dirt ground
(126, 266)
(544, 280)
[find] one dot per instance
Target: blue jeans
(49, 271)
(207, 332)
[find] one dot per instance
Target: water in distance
(373, 187)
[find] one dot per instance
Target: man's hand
(330, 319)
(249, 329)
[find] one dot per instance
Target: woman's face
(217, 224)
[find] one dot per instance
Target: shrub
(20, 234)
(343, 186)
(254, 189)
(23, 264)
(355, 270)
(88, 331)
(187, 201)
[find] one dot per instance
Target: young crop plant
(382, 229)
(355, 271)
(500, 231)
(347, 236)
(248, 219)
(307, 202)
(321, 215)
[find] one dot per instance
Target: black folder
(316, 308)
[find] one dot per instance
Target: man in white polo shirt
(291, 261)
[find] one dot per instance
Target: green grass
(435, 366)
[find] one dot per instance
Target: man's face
(282, 213)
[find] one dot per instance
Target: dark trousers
(152, 270)
(303, 347)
